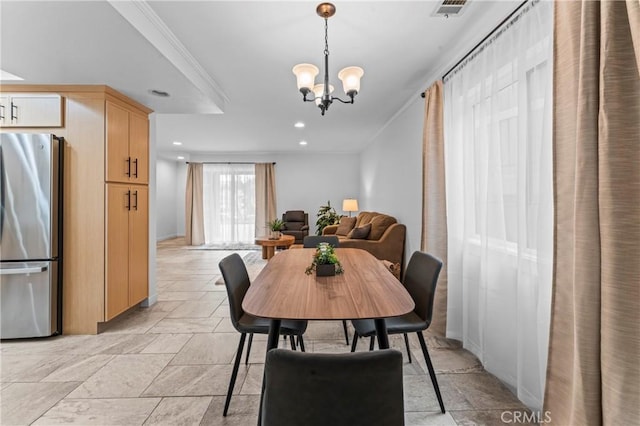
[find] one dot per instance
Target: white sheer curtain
(229, 203)
(500, 201)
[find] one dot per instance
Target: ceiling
(227, 64)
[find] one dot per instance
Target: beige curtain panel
(593, 372)
(265, 196)
(194, 211)
(434, 207)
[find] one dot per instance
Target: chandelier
(306, 73)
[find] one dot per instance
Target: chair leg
(354, 341)
(406, 342)
(373, 340)
(301, 343)
(346, 333)
(292, 340)
(246, 361)
(234, 374)
(432, 373)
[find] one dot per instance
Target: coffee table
(269, 245)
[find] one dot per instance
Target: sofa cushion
(360, 233)
(346, 225)
(294, 216)
(379, 224)
(293, 226)
(365, 217)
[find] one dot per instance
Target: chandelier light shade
(306, 73)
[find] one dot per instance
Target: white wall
(166, 187)
(391, 173)
(303, 181)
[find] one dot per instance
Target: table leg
(264, 252)
(270, 252)
(272, 343)
(381, 331)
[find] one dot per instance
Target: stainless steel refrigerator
(30, 235)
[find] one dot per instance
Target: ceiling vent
(449, 8)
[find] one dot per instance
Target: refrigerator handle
(20, 271)
(128, 172)
(128, 205)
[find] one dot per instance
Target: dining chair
(420, 279)
(319, 389)
(236, 280)
(312, 241)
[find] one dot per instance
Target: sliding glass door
(229, 203)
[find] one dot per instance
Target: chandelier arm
(350, 101)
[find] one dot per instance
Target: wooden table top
(365, 290)
(282, 241)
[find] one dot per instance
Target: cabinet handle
(135, 194)
(14, 107)
(128, 205)
(1, 112)
(135, 173)
(128, 172)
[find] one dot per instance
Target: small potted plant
(275, 226)
(325, 261)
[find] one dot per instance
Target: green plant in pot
(325, 261)
(326, 216)
(275, 225)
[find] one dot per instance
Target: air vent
(449, 8)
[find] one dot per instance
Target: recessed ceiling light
(177, 143)
(180, 157)
(299, 125)
(160, 93)
(303, 143)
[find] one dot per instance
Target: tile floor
(170, 364)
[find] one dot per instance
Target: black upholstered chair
(420, 280)
(296, 223)
(317, 389)
(236, 280)
(312, 241)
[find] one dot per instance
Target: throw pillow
(360, 233)
(346, 225)
(379, 224)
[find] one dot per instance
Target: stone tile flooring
(170, 364)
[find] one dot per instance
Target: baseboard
(149, 301)
(167, 237)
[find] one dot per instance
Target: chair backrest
(319, 389)
(312, 241)
(420, 280)
(295, 219)
(236, 280)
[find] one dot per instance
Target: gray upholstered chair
(312, 241)
(296, 224)
(319, 389)
(236, 280)
(420, 280)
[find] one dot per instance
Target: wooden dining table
(366, 290)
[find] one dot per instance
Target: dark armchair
(296, 223)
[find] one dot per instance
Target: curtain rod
(482, 41)
(222, 162)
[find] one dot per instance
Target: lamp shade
(305, 75)
(350, 78)
(318, 91)
(350, 205)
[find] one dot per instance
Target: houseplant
(326, 216)
(275, 226)
(325, 261)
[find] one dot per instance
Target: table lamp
(350, 205)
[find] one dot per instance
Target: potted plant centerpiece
(275, 226)
(325, 261)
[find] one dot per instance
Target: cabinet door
(118, 167)
(139, 244)
(117, 250)
(33, 110)
(139, 148)
(5, 105)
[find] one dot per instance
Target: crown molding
(145, 20)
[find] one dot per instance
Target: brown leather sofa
(296, 223)
(384, 238)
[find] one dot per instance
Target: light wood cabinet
(31, 110)
(127, 239)
(127, 146)
(105, 253)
